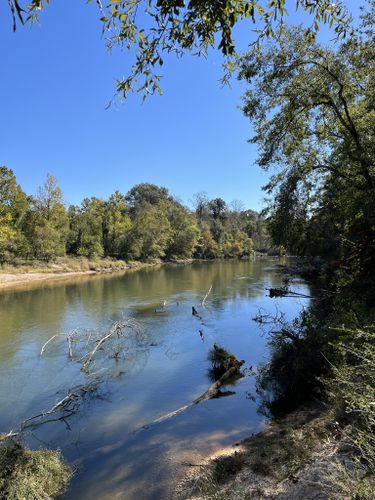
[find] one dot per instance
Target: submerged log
(285, 292)
(211, 393)
(232, 372)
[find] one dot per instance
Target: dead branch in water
(48, 341)
(118, 329)
(69, 340)
(286, 292)
(66, 406)
(211, 393)
(205, 297)
(233, 370)
(114, 329)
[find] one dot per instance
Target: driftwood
(117, 329)
(45, 345)
(285, 292)
(205, 297)
(211, 393)
(66, 406)
(220, 358)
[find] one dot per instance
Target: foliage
(352, 388)
(50, 223)
(184, 234)
(13, 208)
(147, 223)
(150, 233)
(313, 111)
(151, 30)
(36, 474)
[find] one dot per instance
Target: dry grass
(63, 265)
(27, 474)
(301, 456)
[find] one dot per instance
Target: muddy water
(162, 369)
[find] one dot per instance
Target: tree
(50, 222)
(207, 248)
(146, 194)
(150, 233)
(14, 205)
(153, 29)
(313, 112)
(184, 233)
(116, 226)
(86, 228)
(200, 204)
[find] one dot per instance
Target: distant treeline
(147, 223)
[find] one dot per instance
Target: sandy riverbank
(13, 280)
(26, 278)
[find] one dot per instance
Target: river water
(162, 369)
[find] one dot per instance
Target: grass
(63, 265)
(27, 474)
(303, 455)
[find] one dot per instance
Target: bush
(352, 390)
(27, 474)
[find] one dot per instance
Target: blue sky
(56, 81)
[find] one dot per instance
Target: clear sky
(56, 80)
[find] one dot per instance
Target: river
(162, 369)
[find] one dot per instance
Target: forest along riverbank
(117, 435)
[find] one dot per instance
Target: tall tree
(146, 194)
(151, 232)
(50, 222)
(313, 112)
(14, 205)
(117, 225)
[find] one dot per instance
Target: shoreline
(10, 281)
(19, 278)
(301, 455)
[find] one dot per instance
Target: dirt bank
(37, 274)
(15, 279)
(303, 456)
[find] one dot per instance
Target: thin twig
(205, 297)
(45, 345)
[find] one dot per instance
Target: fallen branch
(69, 340)
(116, 328)
(65, 405)
(45, 345)
(209, 394)
(205, 297)
(285, 292)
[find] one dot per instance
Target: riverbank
(28, 274)
(304, 455)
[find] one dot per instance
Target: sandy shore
(10, 281)
(26, 280)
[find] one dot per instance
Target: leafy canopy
(152, 29)
(313, 113)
